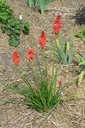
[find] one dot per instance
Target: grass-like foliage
(11, 25)
(81, 63)
(40, 92)
(63, 51)
(42, 4)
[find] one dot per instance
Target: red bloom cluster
(30, 54)
(42, 39)
(57, 24)
(16, 58)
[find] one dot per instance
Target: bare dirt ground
(70, 114)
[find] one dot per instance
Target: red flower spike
(57, 24)
(30, 54)
(15, 57)
(42, 39)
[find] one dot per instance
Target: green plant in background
(81, 34)
(11, 25)
(41, 3)
(63, 52)
(81, 63)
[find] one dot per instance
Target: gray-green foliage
(81, 63)
(40, 92)
(41, 3)
(62, 51)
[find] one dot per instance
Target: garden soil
(70, 114)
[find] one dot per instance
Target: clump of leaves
(63, 52)
(41, 3)
(81, 63)
(11, 25)
(40, 91)
(81, 34)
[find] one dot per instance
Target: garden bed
(70, 114)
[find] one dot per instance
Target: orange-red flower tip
(16, 57)
(42, 39)
(30, 55)
(57, 24)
